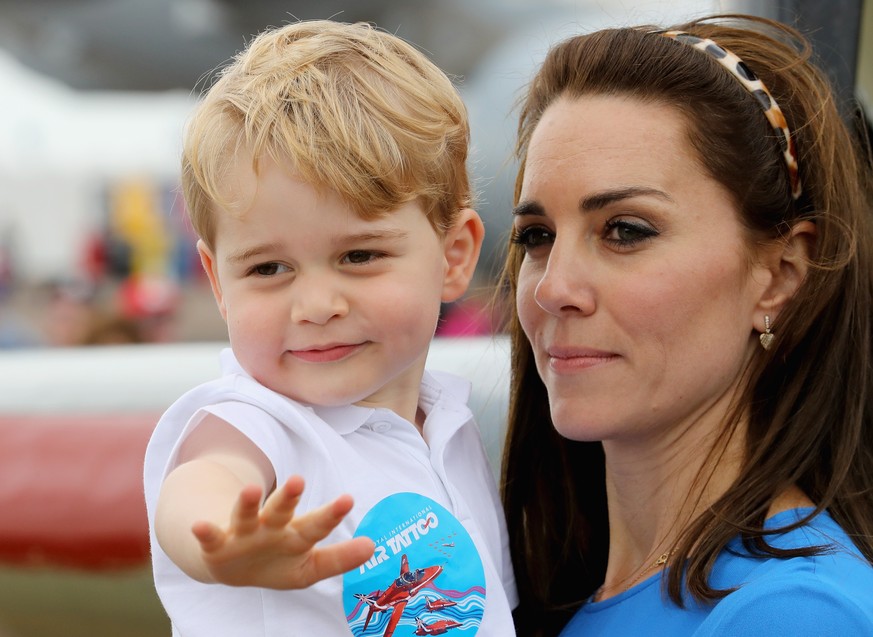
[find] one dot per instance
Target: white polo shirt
(429, 503)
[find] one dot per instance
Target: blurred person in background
(111, 328)
(66, 314)
(152, 305)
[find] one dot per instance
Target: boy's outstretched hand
(269, 547)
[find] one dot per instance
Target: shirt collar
(448, 390)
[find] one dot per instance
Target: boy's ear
(788, 263)
(463, 243)
(207, 258)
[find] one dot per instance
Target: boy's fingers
(279, 508)
(338, 558)
(317, 524)
(211, 537)
(341, 506)
(244, 519)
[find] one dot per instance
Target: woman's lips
(570, 359)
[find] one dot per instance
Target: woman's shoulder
(827, 593)
(795, 605)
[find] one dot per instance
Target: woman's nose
(566, 284)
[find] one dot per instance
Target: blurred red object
(145, 297)
(71, 490)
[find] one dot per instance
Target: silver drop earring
(766, 337)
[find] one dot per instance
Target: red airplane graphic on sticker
(436, 628)
(397, 595)
(439, 603)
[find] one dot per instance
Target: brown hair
(808, 401)
(346, 106)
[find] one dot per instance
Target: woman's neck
(657, 486)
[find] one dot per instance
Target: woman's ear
(207, 258)
(788, 263)
(463, 243)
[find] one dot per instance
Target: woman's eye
(269, 269)
(532, 237)
(626, 234)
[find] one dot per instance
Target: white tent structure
(60, 148)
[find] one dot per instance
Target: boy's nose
(316, 300)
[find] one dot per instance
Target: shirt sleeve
(789, 608)
(254, 423)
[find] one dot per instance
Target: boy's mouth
(326, 353)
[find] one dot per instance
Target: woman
(691, 437)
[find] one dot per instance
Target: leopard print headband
(758, 90)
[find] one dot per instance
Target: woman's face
(638, 287)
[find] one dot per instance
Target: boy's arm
(210, 521)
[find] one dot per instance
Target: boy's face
(323, 306)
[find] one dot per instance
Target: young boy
(325, 176)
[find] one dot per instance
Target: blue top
(828, 594)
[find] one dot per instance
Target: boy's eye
(269, 269)
(359, 257)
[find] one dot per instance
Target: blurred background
(96, 249)
(95, 246)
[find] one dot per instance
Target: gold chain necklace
(662, 559)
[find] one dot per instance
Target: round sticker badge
(425, 577)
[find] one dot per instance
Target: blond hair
(345, 106)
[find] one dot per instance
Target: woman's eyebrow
(528, 208)
(602, 199)
(594, 201)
